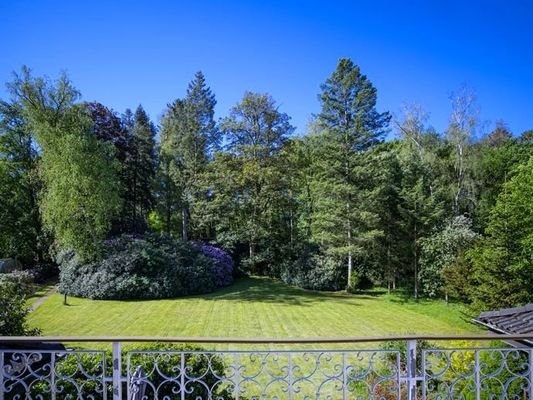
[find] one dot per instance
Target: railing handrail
(237, 340)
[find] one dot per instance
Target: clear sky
(123, 53)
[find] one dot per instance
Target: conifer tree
(351, 125)
(143, 164)
(188, 139)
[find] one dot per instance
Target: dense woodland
(362, 198)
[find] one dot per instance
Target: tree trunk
(415, 260)
(350, 261)
(184, 222)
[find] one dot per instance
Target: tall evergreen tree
(142, 165)
(352, 125)
(188, 139)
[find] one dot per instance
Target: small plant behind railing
(484, 373)
(168, 370)
(55, 374)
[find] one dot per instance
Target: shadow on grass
(258, 289)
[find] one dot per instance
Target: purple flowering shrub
(222, 263)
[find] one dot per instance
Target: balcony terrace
(403, 367)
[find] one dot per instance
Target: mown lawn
(252, 307)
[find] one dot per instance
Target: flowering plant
(223, 263)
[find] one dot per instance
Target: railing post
(291, 378)
(1, 375)
(182, 376)
(477, 375)
(531, 374)
(117, 371)
(344, 377)
(53, 376)
(411, 369)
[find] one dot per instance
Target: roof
(509, 320)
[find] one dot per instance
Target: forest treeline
(443, 214)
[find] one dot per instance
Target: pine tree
(143, 165)
(188, 139)
(351, 125)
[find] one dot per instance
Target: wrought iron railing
(406, 367)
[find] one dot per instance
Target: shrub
(312, 269)
(223, 264)
(14, 287)
(359, 281)
(147, 267)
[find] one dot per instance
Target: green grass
(252, 307)
(39, 291)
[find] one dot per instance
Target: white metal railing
(405, 367)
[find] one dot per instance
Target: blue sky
(123, 53)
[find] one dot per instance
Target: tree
(21, 231)
(255, 132)
(13, 293)
(421, 198)
(440, 251)
(499, 136)
(108, 127)
(502, 262)
(188, 139)
(459, 135)
(387, 253)
(79, 196)
(495, 165)
(351, 125)
(142, 165)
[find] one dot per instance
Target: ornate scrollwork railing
(406, 368)
(42, 374)
(358, 374)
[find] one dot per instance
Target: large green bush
(14, 288)
(311, 269)
(146, 267)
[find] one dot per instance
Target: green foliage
(495, 165)
(440, 251)
(343, 217)
(248, 182)
(21, 231)
(14, 288)
(77, 366)
(188, 138)
(140, 168)
(109, 128)
(502, 262)
(79, 195)
(208, 367)
(139, 268)
(311, 269)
